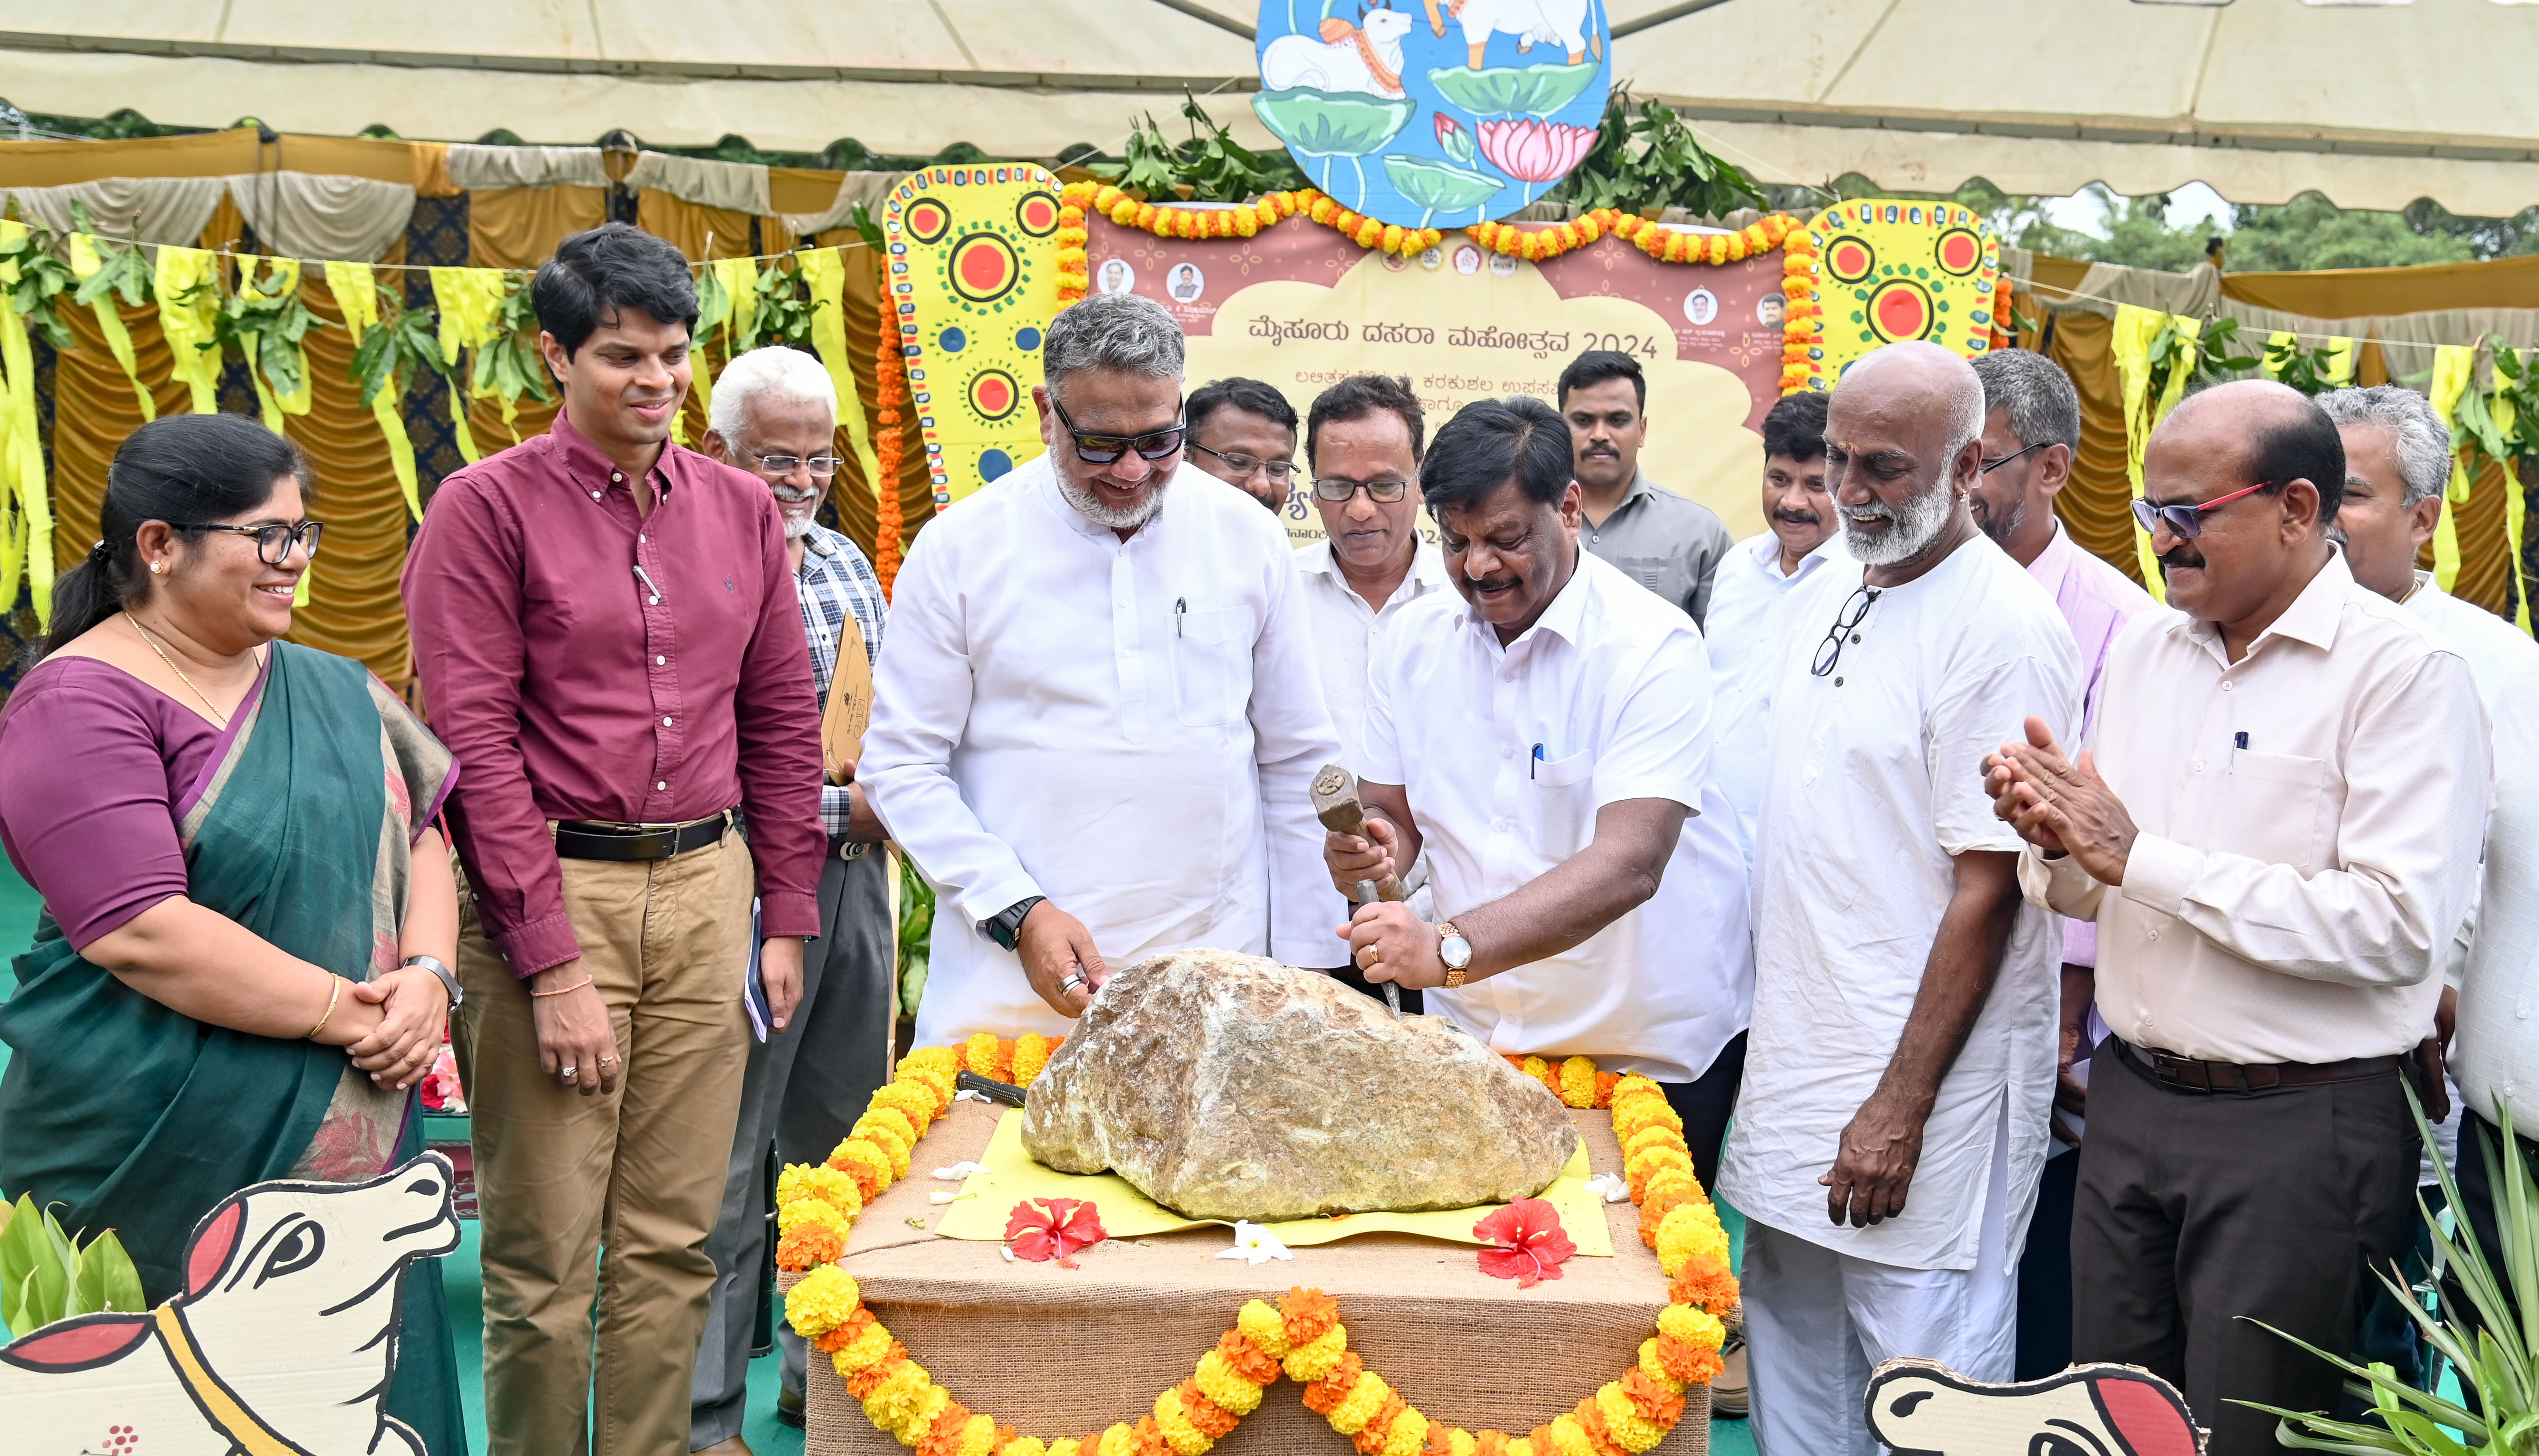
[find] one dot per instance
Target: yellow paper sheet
(988, 1198)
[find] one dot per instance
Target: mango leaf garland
(508, 367)
(36, 279)
(123, 271)
(1644, 155)
(403, 341)
(783, 310)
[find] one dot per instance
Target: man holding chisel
(1545, 736)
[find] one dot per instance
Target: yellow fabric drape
(692, 227)
(27, 543)
(2095, 507)
(470, 300)
(827, 276)
(109, 321)
(354, 608)
(520, 227)
(740, 281)
(355, 290)
(93, 409)
(185, 278)
(2452, 366)
(2136, 328)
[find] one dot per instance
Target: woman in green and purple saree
(239, 971)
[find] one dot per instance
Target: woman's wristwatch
(449, 979)
(1456, 952)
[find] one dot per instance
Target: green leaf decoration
(107, 1280)
(1645, 157)
(1438, 187)
(1207, 166)
(22, 1246)
(36, 277)
(1328, 123)
(1498, 91)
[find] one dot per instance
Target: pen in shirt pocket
(1181, 608)
(2239, 743)
(1535, 763)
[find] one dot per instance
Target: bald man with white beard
(1893, 1122)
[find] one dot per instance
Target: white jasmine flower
(1255, 1245)
(960, 1170)
(1612, 1187)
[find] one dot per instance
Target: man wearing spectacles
(1664, 542)
(2031, 430)
(1097, 720)
(776, 415)
(1894, 1118)
(2277, 830)
(1365, 437)
(1544, 736)
(1244, 433)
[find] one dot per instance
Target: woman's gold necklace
(221, 717)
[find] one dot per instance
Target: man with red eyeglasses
(1098, 714)
(2276, 828)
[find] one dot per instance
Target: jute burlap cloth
(1065, 1353)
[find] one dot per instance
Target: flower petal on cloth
(1054, 1230)
(1255, 1245)
(1531, 1243)
(1613, 1188)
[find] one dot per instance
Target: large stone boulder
(1231, 1087)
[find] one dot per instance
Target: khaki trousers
(607, 1195)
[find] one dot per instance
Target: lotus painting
(1434, 113)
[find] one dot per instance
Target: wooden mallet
(1337, 806)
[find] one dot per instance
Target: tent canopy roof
(2374, 105)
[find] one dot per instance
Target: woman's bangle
(332, 996)
(576, 986)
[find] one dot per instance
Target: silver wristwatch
(449, 978)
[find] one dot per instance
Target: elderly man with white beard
(1893, 1122)
(1098, 717)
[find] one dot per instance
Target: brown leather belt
(2188, 1073)
(591, 838)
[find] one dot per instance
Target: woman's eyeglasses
(776, 466)
(1280, 470)
(2186, 521)
(1103, 449)
(1335, 489)
(273, 543)
(1854, 607)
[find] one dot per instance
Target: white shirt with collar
(2497, 1062)
(2307, 827)
(2495, 650)
(1875, 785)
(1744, 633)
(1129, 728)
(1612, 686)
(1346, 630)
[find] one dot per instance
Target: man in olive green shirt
(1665, 542)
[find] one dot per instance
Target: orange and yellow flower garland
(1801, 315)
(890, 391)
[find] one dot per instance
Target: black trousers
(1705, 1103)
(2478, 1139)
(2198, 1213)
(2045, 1273)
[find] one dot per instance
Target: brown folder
(849, 711)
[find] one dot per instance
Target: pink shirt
(2096, 601)
(585, 662)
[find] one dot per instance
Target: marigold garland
(890, 392)
(1302, 1338)
(1801, 314)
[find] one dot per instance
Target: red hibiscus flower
(1531, 151)
(1056, 1229)
(1531, 1243)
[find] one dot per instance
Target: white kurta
(1129, 728)
(1749, 603)
(1506, 754)
(1876, 783)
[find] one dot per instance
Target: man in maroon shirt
(605, 628)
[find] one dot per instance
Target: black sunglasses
(2186, 521)
(273, 543)
(1829, 651)
(1102, 449)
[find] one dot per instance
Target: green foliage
(508, 366)
(1210, 162)
(2209, 356)
(2309, 232)
(46, 1275)
(916, 935)
(123, 271)
(784, 310)
(1645, 157)
(2304, 369)
(35, 277)
(2489, 1344)
(405, 341)
(263, 323)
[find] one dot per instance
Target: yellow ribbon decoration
(2136, 328)
(739, 282)
(356, 291)
(2452, 366)
(2340, 361)
(469, 299)
(109, 320)
(27, 534)
(825, 270)
(187, 321)
(2514, 509)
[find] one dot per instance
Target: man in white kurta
(1097, 739)
(1904, 997)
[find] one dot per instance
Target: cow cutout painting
(282, 1343)
(1920, 1408)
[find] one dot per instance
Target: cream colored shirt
(2308, 820)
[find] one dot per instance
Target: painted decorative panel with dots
(973, 275)
(1890, 270)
